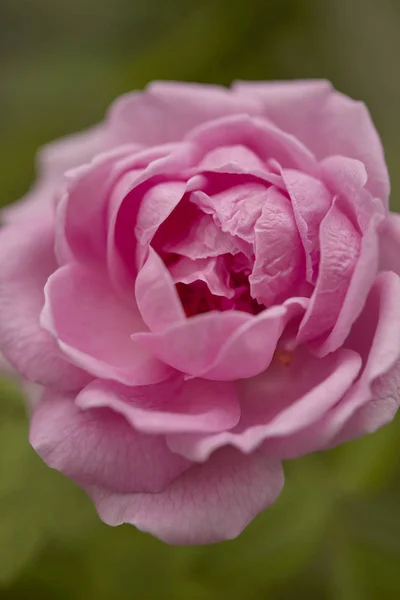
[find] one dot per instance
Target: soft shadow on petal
(206, 504)
(99, 447)
(93, 327)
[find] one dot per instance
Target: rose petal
(166, 111)
(208, 503)
(93, 327)
(286, 398)
(279, 262)
(326, 121)
(99, 447)
(310, 201)
(171, 407)
(212, 271)
(340, 248)
(26, 261)
(229, 345)
(156, 295)
(260, 136)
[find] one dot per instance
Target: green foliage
(335, 531)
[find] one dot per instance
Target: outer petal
(26, 261)
(166, 111)
(228, 345)
(207, 504)
(98, 447)
(93, 327)
(171, 407)
(287, 398)
(376, 335)
(326, 121)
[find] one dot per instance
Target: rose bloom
(204, 285)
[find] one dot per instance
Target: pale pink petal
(340, 249)
(326, 121)
(166, 111)
(376, 336)
(93, 327)
(131, 208)
(373, 399)
(238, 155)
(389, 244)
(260, 136)
(156, 295)
(170, 407)
(229, 345)
(310, 201)
(88, 191)
(26, 261)
(291, 395)
(206, 504)
(279, 262)
(99, 447)
(175, 347)
(362, 279)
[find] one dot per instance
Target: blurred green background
(335, 532)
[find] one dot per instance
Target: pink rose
(214, 292)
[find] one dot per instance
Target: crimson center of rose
(232, 245)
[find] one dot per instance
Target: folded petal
(93, 327)
(279, 259)
(259, 135)
(360, 285)
(229, 345)
(156, 295)
(310, 202)
(295, 392)
(99, 447)
(376, 336)
(212, 271)
(340, 249)
(326, 121)
(26, 261)
(206, 504)
(170, 407)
